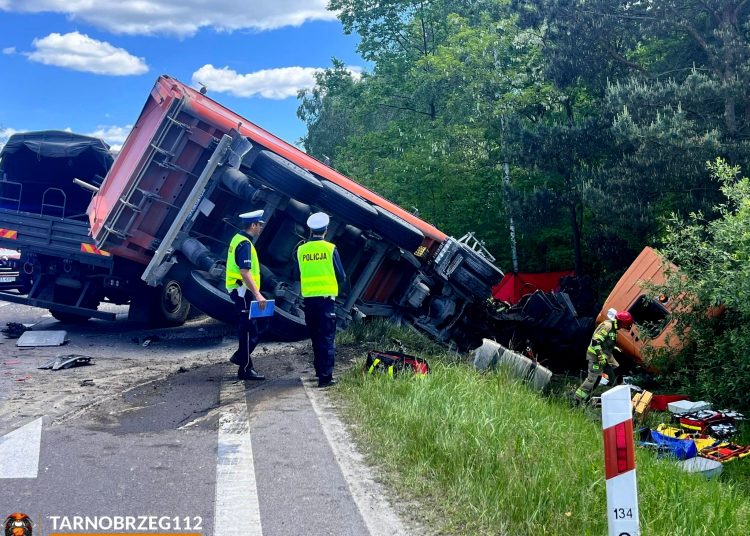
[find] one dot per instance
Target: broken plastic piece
(67, 361)
(31, 339)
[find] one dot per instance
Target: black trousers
(248, 333)
(320, 318)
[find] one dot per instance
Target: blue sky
(89, 66)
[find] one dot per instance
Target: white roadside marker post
(619, 463)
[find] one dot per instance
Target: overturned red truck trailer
(190, 166)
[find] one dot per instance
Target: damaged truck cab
(190, 166)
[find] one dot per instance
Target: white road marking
(368, 495)
(236, 509)
(19, 451)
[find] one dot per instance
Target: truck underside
(172, 200)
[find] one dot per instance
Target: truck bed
(50, 236)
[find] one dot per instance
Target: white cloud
(279, 83)
(9, 50)
(6, 133)
(115, 136)
(80, 52)
(180, 17)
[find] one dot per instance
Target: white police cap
(256, 216)
(318, 221)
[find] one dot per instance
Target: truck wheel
(481, 266)
(213, 301)
(347, 206)
(286, 326)
(69, 296)
(68, 318)
(172, 308)
(397, 230)
(471, 283)
(286, 177)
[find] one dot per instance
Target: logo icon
(18, 524)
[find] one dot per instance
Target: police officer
(243, 285)
(600, 351)
(321, 275)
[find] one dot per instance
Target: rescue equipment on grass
(394, 363)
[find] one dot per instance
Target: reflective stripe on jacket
(603, 341)
(316, 271)
(234, 276)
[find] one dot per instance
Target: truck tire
(172, 308)
(69, 296)
(286, 327)
(481, 266)
(68, 318)
(397, 230)
(213, 301)
(347, 206)
(471, 283)
(286, 177)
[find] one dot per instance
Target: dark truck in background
(43, 218)
(170, 204)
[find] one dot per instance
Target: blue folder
(255, 311)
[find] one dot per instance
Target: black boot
(249, 375)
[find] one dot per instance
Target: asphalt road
(161, 439)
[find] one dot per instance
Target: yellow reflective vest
(234, 277)
(316, 271)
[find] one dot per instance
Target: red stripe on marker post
(619, 463)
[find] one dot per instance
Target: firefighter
(321, 276)
(243, 285)
(600, 350)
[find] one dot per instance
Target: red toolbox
(699, 421)
(659, 402)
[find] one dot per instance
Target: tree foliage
(711, 294)
(605, 112)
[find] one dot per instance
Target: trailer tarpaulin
(49, 159)
(514, 286)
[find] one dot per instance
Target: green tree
(327, 110)
(430, 115)
(713, 260)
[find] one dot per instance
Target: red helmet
(624, 319)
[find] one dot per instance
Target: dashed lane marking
(236, 490)
(368, 495)
(19, 451)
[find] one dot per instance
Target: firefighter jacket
(603, 342)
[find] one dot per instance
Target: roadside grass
(483, 454)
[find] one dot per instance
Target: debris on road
(32, 339)
(147, 340)
(67, 361)
(87, 383)
(13, 330)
